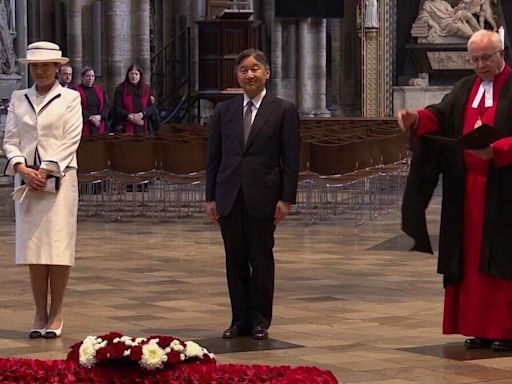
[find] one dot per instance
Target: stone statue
(443, 21)
(7, 57)
(480, 8)
(371, 14)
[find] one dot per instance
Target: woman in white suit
(42, 133)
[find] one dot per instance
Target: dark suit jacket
(266, 168)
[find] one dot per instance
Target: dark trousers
(248, 242)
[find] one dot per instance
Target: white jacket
(49, 132)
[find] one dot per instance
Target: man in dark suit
(65, 76)
(251, 182)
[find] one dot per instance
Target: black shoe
(478, 342)
(502, 345)
(259, 332)
(235, 330)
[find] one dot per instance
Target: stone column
(289, 66)
(370, 83)
(117, 16)
(371, 58)
(305, 75)
(20, 43)
(33, 17)
(321, 68)
(74, 28)
(312, 67)
(387, 54)
(47, 20)
(336, 75)
(344, 86)
(140, 36)
(378, 43)
(158, 11)
(194, 10)
(276, 59)
(170, 12)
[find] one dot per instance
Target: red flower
(163, 341)
(61, 371)
(110, 336)
(173, 358)
(116, 350)
(136, 353)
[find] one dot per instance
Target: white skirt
(46, 224)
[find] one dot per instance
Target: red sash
(129, 128)
(87, 124)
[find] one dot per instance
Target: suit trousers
(248, 243)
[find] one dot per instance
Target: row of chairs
(134, 176)
(356, 166)
(349, 165)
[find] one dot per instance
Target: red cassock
(479, 305)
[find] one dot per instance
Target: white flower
(87, 355)
(193, 349)
(152, 356)
(176, 346)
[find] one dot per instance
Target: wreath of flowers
(154, 352)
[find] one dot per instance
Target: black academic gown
(496, 252)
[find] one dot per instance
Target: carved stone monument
(441, 32)
(438, 50)
(9, 81)
(6, 183)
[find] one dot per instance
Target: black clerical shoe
(478, 342)
(502, 345)
(259, 332)
(235, 330)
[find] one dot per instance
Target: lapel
(238, 110)
(52, 95)
(259, 120)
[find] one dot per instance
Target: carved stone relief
(449, 60)
(7, 35)
(439, 22)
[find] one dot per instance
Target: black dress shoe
(502, 345)
(235, 330)
(478, 342)
(259, 332)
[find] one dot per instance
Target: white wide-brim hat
(43, 52)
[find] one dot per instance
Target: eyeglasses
(484, 59)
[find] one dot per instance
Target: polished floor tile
(350, 299)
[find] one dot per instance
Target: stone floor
(348, 298)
